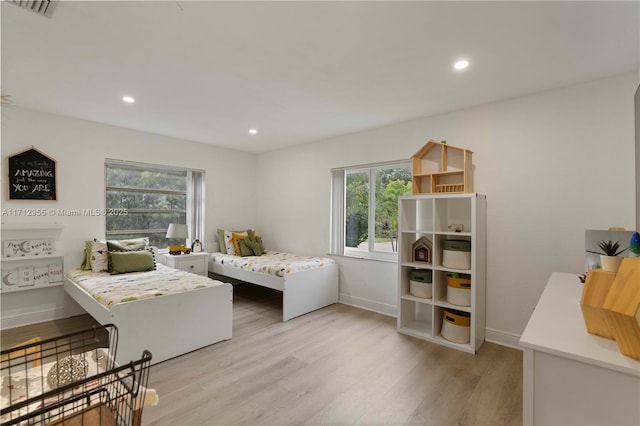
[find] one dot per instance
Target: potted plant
(609, 257)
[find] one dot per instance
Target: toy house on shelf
(421, 250)
(439, 168)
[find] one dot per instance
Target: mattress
(274, 263)
(110, 290)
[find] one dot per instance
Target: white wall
(80, 148)
(552, 164)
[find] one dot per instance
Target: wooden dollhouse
(439, 168)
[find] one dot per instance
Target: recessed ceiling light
(253, 131)
(128, 99)
(461, 64)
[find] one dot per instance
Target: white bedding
(113, 289)
(274, 263)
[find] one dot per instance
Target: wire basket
(72, 379)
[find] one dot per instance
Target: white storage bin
(456, 254)
(420, 283)
(421, 289)
(459, 290)
(456, 326)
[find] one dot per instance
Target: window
(152, 197)
(364, 220)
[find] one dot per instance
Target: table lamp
(177, 231)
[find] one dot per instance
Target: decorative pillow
(86, 263)
(99, 256)
(131, 261)
(133, 244)
(222, 247)
(259, 248)
(228, 241)
(235, 238)
(249, 248)
(251, 245)
(68, 370)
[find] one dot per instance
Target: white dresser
(570, 376)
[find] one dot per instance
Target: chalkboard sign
(32, 176)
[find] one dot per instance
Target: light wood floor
(336, 366)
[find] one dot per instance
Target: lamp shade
(177, 230)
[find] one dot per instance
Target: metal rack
(72, 380)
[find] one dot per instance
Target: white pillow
(99, 256)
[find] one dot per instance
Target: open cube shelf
(437, 217)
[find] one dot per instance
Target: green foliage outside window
(390, 183)
(153, 198)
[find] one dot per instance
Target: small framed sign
(31, 176)
(55, 273)
(25, 277)
(10, 279)
(41, 276)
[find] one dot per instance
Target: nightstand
(196, 263)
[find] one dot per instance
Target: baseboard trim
(499, 337)
(31, 318)
(503, 338)
(369, 305)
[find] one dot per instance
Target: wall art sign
(55, 273)
(31, 176)
(10, 278)
(21, 248)
(41, 275)
(27, 277)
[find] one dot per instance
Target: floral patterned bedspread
(113, 289)
(273, 262)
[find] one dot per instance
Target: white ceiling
(301, 71)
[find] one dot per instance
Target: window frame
(194, 198)
(338, 211)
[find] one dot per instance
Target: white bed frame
(167, 326)
(302, 291)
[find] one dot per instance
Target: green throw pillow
(133, 244)
(261, 250)
(86, 263)
(131, 261)
(245, 250)
(221, 247)
(251, 245)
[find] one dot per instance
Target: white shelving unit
(27, 272)
(430, 216)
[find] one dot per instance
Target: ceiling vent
(44, 7)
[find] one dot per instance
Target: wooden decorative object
(441, 168)
(622, 308)
(595, 291)
(421, 250)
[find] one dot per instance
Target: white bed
(306, 283)
(168, 325)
